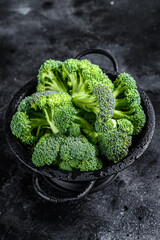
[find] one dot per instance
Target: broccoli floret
(24, 105)
(136, 115)
(49, 77)
(122, 83)
(125, 126)
(23, 128)
(63, 117)
(74, 129)
(128, 102)
(78, 153)
(77, 72)
(46, 151)
(114, 142)
(97, 99)
(130, 96)
(46, 110)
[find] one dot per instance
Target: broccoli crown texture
(78, 153)
(136, 115)
(125, 126)
(113, 142)
(46, 151)
(122, 83)
(74, 129)
(43, 111)
(128, 102)
(22, 128)
(49, 77)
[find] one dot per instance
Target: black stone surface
(32, 31)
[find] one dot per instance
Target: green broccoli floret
(128, 102)
(125, 126)
(45, 110)
(97, 99)
(46, 151)
(78, 153)
(122, 83)
(113, 143)
(74, 129)
(78, 72)
(135, 114)
(23, 128)
(49, 77)
(129, 96)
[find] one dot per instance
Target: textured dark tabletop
(33, 31)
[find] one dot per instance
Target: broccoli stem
(86, 128)
(50, 121)
(119, 90)
(120, 114)
(120, 103)
(85, 101)
(54, 82)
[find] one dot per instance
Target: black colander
(62, 186)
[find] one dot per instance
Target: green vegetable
(46, 152)
(78, 153)
(78, 117)
(40, 112)
(49, 77)
(127, 102)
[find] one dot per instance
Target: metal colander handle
(102, 52)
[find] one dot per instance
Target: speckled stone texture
(32, 31)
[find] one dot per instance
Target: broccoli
(23, 128)
(125, 126)
(122, 83)
(128, 102)
(97, 99)
(78, 153)
(114, 141)
(74, 129)
(49, 77)
(78, 72)
(46, 151)
(135, 114)
(42, 111)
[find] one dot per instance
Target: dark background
(33, 31)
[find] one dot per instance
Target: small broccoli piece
(128, 102)
(125, 126)
(136, 115)
(113, 143)
(49, 77)
(78, 153)
(46, 151)
(63, 117)
(130, 96)
(24, 105)
(104, 127)
(44, 111)
(97, 99)
(74, 130)
(122, 83)
(23, 128)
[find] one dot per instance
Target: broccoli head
(44, 111)
(122, 83)
(49, 77)
(23, 128)
(46, 151)
(113, 143)
(78, 153)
